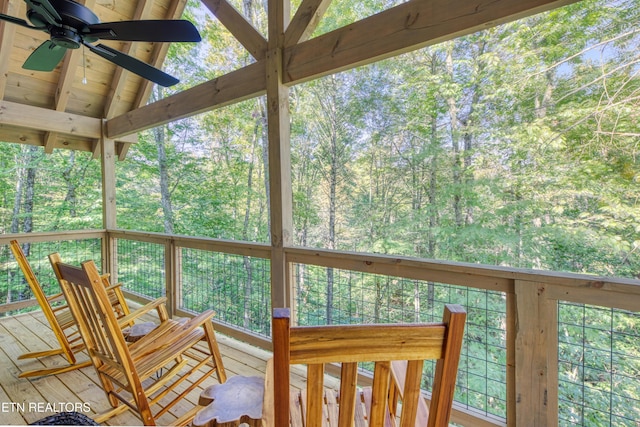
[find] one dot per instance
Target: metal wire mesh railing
(236, 287)
(328, 295)
(141, 267)
(15, 288)
(598, 352)
(598, 366)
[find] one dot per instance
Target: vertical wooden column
(512, 314)
(108, 163)
(536, 361)
(173, 281)
(279, 156)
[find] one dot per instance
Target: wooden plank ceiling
(56, 110)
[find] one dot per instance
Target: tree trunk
(165, 193)
(456, 166)
(22, 220)
(70, 198)
(246, 315)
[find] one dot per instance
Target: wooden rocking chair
(128, 372)
(398, 352)
(61, 320)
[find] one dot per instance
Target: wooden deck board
(29, 332)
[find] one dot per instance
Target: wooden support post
(536, 360)
(173, 267)
(108, 163)
(280, 192)
(511, 358)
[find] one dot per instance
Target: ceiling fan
(72, 25)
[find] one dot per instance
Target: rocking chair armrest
(113, 287)
(158, 304)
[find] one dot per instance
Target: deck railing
(541, 348)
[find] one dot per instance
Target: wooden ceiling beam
(305, 21)
(35, 137)
(245, 83)
(65, 83)
(44, 119)
(409, 26)
(55, 124)
(72, 60)
(49, 141)
(238, 25)
(159, 53)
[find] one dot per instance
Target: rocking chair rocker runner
(128, 372)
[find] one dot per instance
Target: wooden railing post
(110, 256)
(536, 366)
(173, 267)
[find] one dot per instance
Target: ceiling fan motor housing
(66, 37)
(74, 18)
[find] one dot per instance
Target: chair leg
(210, 336)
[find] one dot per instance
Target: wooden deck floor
(24, 401)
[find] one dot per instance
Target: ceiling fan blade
(147, 30)
(134, 65)
(45, 58)
(18, 21)
(45, 9)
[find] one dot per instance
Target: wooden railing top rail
(52, 236)
(258, 250)
(610, 292)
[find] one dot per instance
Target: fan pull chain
(84, 66)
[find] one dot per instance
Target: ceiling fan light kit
(72, 25)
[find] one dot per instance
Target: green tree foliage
(514, 146)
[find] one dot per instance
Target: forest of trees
(514, 146)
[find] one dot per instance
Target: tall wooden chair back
(122, 368)
(117, 299)
(59, 318)
(397, 352)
